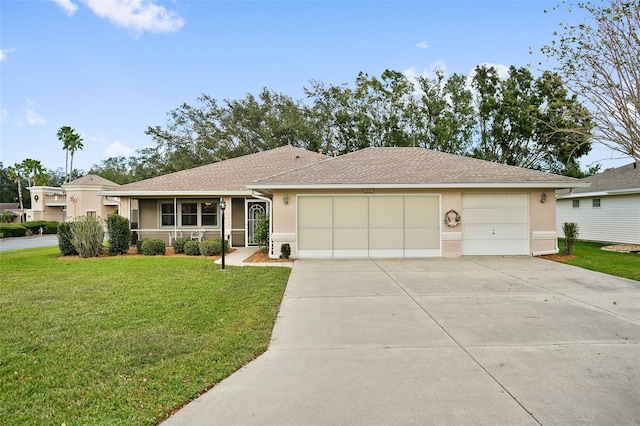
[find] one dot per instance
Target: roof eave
(493, 185)
(629, 191)
(132, 194)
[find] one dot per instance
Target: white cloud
(116, 149)
(31, 116)
(412, 73)
(137, 15)
(423, 45)
(67, 5)
(3, 53)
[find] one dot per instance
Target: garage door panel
(421, 211)
(422, 238)
(315, 211)
(350, 238)
(315, 239)
(495, 224)
(350, 212)
(385, 211)
(385, 238)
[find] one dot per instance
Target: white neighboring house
(608, 210)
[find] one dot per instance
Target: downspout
(270, 203)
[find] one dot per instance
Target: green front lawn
(124, 340)
(590, 256)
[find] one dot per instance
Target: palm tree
(15, 174)
(32, 168)
(71, 141)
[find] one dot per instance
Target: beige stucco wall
(39, 210)
(542, 235)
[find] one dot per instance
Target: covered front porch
(197, 218)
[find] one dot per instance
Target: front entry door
(254, 209)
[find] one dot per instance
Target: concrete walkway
(472, 341)
(240, 254)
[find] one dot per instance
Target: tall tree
(518, 118)
(15, 173)
(599, 59)
(71, 142)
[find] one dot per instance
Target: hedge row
(33, 227)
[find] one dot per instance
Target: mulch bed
(260, 257)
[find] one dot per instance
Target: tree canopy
(512, 121)
(599, 59)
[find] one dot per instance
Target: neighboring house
(608, 210)
(376, 202)
(14, 208)
(76, 198)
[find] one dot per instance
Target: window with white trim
(575, 204)
(595, 202)
(91, 213)
(191, 213)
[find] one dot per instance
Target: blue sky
(111, 68)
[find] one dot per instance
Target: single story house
(76, 198)
(608, 210)
(376, 202)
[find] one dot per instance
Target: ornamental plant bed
(133, 253)
(261, 257)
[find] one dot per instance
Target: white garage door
(369, 226)
(495, 224)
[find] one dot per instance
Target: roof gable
(409, 166)
(618, 179)
(91, 180)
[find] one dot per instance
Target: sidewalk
(240, 254)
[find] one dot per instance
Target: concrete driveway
(484, 340)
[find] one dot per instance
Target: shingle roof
(231, 175)
(91, 180)
(618, 179)
(408, 166)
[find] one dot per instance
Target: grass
(589, 255)
(124, 340)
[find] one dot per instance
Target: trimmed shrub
(12, 230)
(211, 247)
(570, 230)
(178, 244)
(285, 251)
(192, 248)
(52, 227)
(64, 240)
(87, 235)
(34, 226)
(139, 245)
(153, 247)
(119, 234)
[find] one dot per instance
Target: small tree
(7, 216)
(261, 231)
(87, 234)
(119, 234)
(570, 230)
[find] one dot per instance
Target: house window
(209, 211)
(192, 213)
(91, 213)
(189, 214)
(168, 217)
(576, 204)
(595, 202)
(134, 213)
